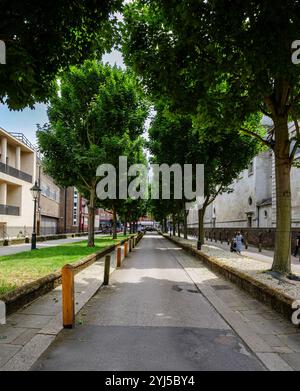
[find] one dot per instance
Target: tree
(132, 149)
(43, 38)
(96, 118)
(200, 143)
(184, 48)
(131, 210)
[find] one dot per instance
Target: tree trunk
(166, 225)
(185, 228)
(91, 224)
(174, 224)
(282, 255)
(201, 213)
(125, 228)
(178, 226)
(114, 223)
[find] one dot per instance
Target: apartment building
(17, 173)
(59, 210)
(74, 212)
(48, 213)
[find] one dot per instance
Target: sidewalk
(266, 256)
(31, 330)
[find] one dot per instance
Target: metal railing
(9, 210)
(5, 168)
(24, 140)
(21, 137)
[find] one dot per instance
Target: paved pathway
(163, 310)
(152, 317)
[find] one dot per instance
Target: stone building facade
(252, 202)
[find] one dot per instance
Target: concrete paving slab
(24, 338)
(292, 341)
(28, 354)
(7, 352)
(9, 334)
(293, 359)
(29, 321)
(274, 362)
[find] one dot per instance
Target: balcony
(9, 210)
(6, 169)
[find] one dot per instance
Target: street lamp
(35, 191)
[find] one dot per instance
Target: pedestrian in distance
(239, 240)
(233, 244)
(297, 245)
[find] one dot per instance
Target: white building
(252, 202)
(17, 173)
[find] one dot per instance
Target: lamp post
(35, 191)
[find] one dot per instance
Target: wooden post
(125, 249)
(130, 244)
(106, 270)
(68, 307)
(119, 256)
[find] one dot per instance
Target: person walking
(239, 242)
(297, 245)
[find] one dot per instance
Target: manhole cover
(221, 287)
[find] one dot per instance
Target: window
(49, 192)
(75, 200)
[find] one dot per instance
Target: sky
(26, 121)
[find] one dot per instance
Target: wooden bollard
(119, 254)
(133, 242)
(130, 244)
(125, 249)
(68, 306)
(106, 270)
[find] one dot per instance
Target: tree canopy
(98, 116)
(200, 142)
(43, 38)
(199, 53)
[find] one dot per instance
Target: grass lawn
(19, 269)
